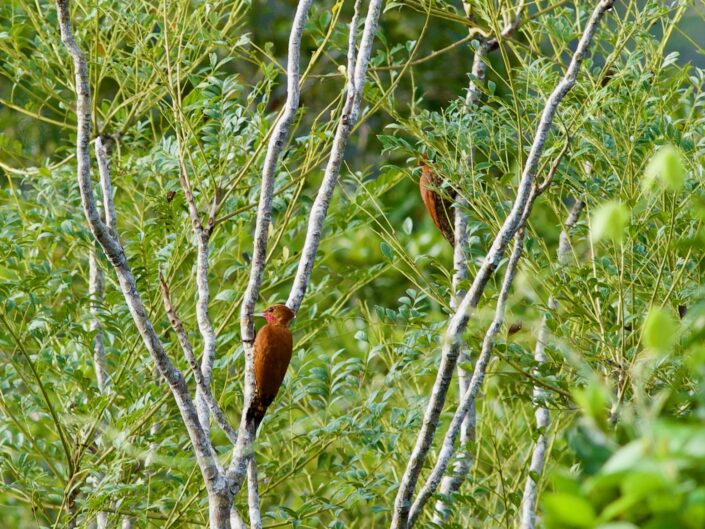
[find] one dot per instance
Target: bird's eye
(270, 309)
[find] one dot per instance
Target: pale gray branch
(352, 39)
(348, 119)
(106, 185)
(201, 384)
(274, 149)
(253, 495)
(95, 290)
(451, 483)
(205, 327)
(468, 398)
(115, 254)
(458, 322)
(528, 502)
(235, 519)
(242, 450)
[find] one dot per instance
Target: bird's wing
(439, 207)
(273, 346)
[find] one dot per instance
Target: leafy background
(332, 450)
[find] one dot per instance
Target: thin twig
(204, 388)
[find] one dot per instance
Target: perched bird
(438, 205)
(273, 346)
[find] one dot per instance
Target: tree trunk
(219, 510)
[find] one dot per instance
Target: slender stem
(201, 383)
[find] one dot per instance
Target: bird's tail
(255, 413)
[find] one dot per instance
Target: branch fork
(405, 512)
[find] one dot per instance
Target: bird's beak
(260, 314)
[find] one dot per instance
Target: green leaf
(665, 170)
(226, 295)
(570, 510)
(408, 225)
(659, 331)
(609, 221)
(594, 401)
(386, 250)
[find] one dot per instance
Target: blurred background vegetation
(367, 337)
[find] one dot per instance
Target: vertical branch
(348, 119)
(468, 398)
(108, 200)
(205, 327)
(243, 448)
(95, 291)
(451, 483)
(458, 322)
(274, 149)
(528, 503)
(253, 495)
(115, 254)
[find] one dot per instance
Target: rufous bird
(438, 203)
(273, 346)
(439, 207)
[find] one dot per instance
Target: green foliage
(647, 473)
(660, 330)
(609, 221)
(665, 168)
(201, 83)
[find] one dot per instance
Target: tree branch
(243, 449)
(473, 98)
(253, 495)
(203, 387)
(350, 113)
(115, 254)
(458, 322)
(274, 148)
(106, 185)
(528, 502)
(95, 291)
(468, 399)
(205, 327)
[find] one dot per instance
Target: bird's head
(422, 159)
(278, 314)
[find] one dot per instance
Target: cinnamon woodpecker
(439, 206)
(273, 346)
